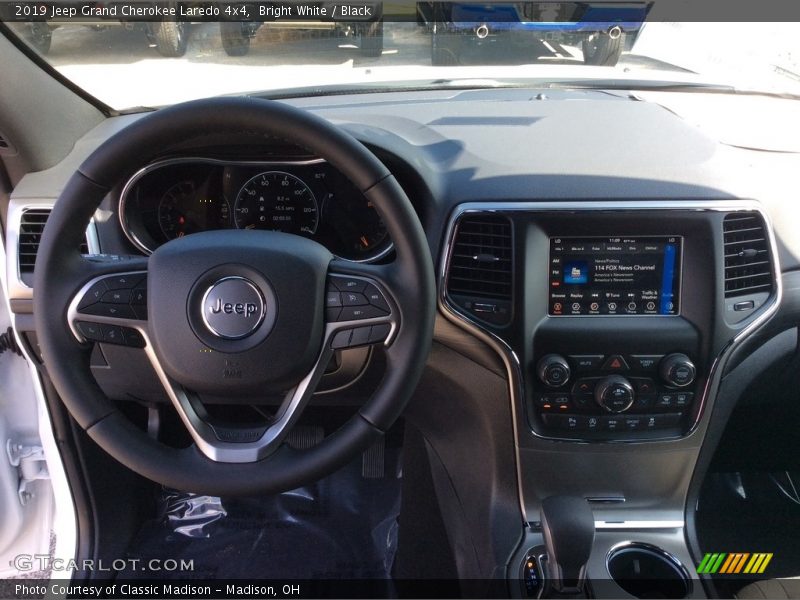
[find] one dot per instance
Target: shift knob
(568, 528)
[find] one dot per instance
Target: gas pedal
(373, 461)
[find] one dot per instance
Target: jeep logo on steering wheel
(233, 308)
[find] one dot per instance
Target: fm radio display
(615, 276)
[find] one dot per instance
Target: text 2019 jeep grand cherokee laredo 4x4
(305, 324)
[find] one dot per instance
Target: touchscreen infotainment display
(615, 276)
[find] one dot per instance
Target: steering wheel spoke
(111, 307)
(359, 306)
(229, 443)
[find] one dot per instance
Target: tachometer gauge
(278, 201)
(184, 210)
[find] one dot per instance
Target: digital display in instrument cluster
(615, 276)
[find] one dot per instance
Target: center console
(614, 396)
(615, 321)
(634, 387)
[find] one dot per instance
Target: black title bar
(98, 11)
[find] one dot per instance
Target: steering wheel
(232, 313)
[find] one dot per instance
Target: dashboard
(178, 197)
(593, 321)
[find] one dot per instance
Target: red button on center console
(616, 363)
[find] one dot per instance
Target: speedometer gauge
(278, 201)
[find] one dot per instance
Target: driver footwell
(341, 527)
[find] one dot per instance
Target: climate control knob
(614, 393)
(677, 370)
(553, 370)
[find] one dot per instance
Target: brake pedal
(305, 437)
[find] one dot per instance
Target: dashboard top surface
(448, 147)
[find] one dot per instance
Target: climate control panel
(599, 396)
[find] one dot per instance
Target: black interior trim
(730, 391)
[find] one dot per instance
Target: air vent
(748, 270)
(479, 278)
(31, 227)
(4, 145)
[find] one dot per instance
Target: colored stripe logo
(734, 563)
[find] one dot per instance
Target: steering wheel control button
(91, 331)
(349, 284)
(233, 308)
(113, 334)
(615, 363)
(586, 362)
(110, 334)
(359, 313)
(358, 298)
(101, 309)
(341, 339)
(375, 298)
(354, 299)
(117, 297)
(379, 333)
(133, 338)
(123, 282)
(93, 295)
(360, 336)
(333, 298)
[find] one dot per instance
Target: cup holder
(646, 571)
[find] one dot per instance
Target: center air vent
(480, 273)
(748, 265)
(31, 227)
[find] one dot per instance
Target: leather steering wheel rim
(61, 272)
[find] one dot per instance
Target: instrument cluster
(311, 198)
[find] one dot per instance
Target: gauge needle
(364, 241)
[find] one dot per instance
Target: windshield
(121, 53)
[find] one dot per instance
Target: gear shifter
(568, 528)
